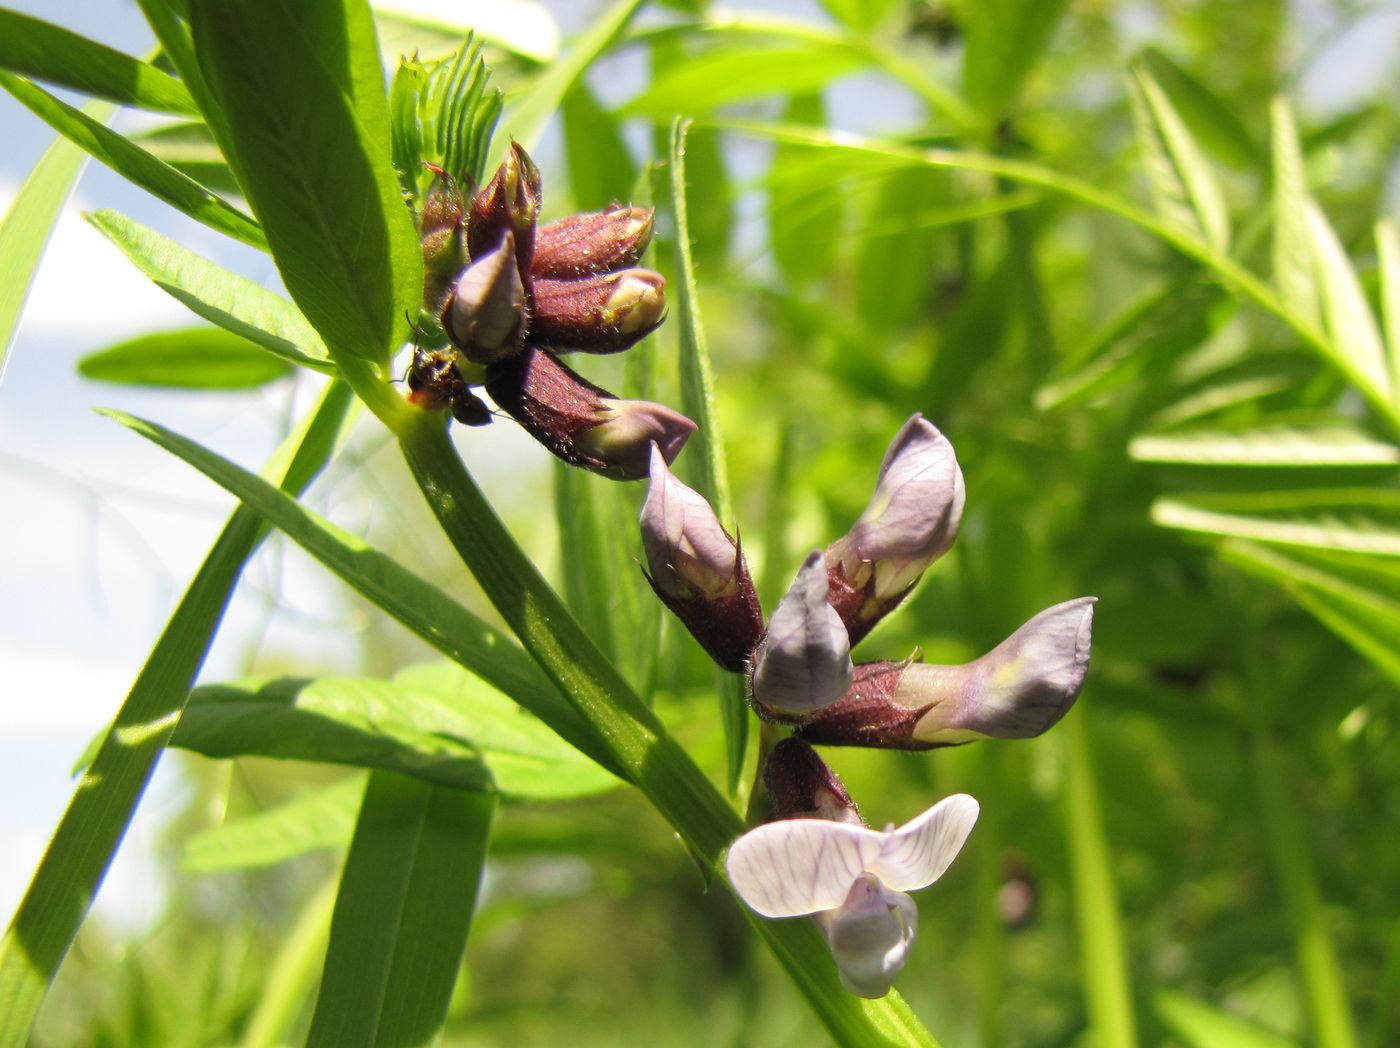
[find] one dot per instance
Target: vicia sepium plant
(817, 856)
(509, 295)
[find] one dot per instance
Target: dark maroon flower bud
(485, 313)
(509, 203)
(801, 786)
(698, 570)
(444, 207)
(581, 423)
(1017, 690)
(605, 313)
(595, 242)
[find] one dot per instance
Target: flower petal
(799, 866)
(871, 935)
(804, 663)
(917, 854)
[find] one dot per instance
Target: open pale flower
(854, 879)
(804, 661)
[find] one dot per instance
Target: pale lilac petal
(800, 866)
(804, 662)
(871, 934)
(687, 549)
(918, 853)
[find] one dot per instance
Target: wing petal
(799, 866)
(916, 854)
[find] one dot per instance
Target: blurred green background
(1203, 853)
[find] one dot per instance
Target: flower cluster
(512, 295)
(817, 856)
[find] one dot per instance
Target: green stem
(1103, 959)
(1284, 835)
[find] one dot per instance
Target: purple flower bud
(485, 314)
(509, 203)
(911, 521)
(801, 786)
(1016, 691)
(698, 570)
(804, 661)
(582, 423)
(606, 313)
(595, 242)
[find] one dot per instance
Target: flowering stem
(1103, 960)
(626, 727)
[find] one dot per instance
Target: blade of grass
(705, 465)
(402, 914)
(93, 826)
(1388, 262)
(44, 51)
(1103, 958)
(133, 163)
(29, 223)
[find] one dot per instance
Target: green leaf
(402, 916)
(1388, 262)
(1357, 597)
(442, 113)
(1200, 1024)
(48, 52)
(192, 358)
(224, 298)
(441, 726)
(135, 164)
(25, 231)
(525, 119)
(423, 608)
(600, 166)
(302, 89)
(322, 818)
(1357, 520)
(893, 271)
(1294, 272)
(102, 806)
(1303, 445)
(1212, 121)
(189, 147)
(705, 466)
(701, 83)
(1183, 188)
(1005, 39)
(1351, 327)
